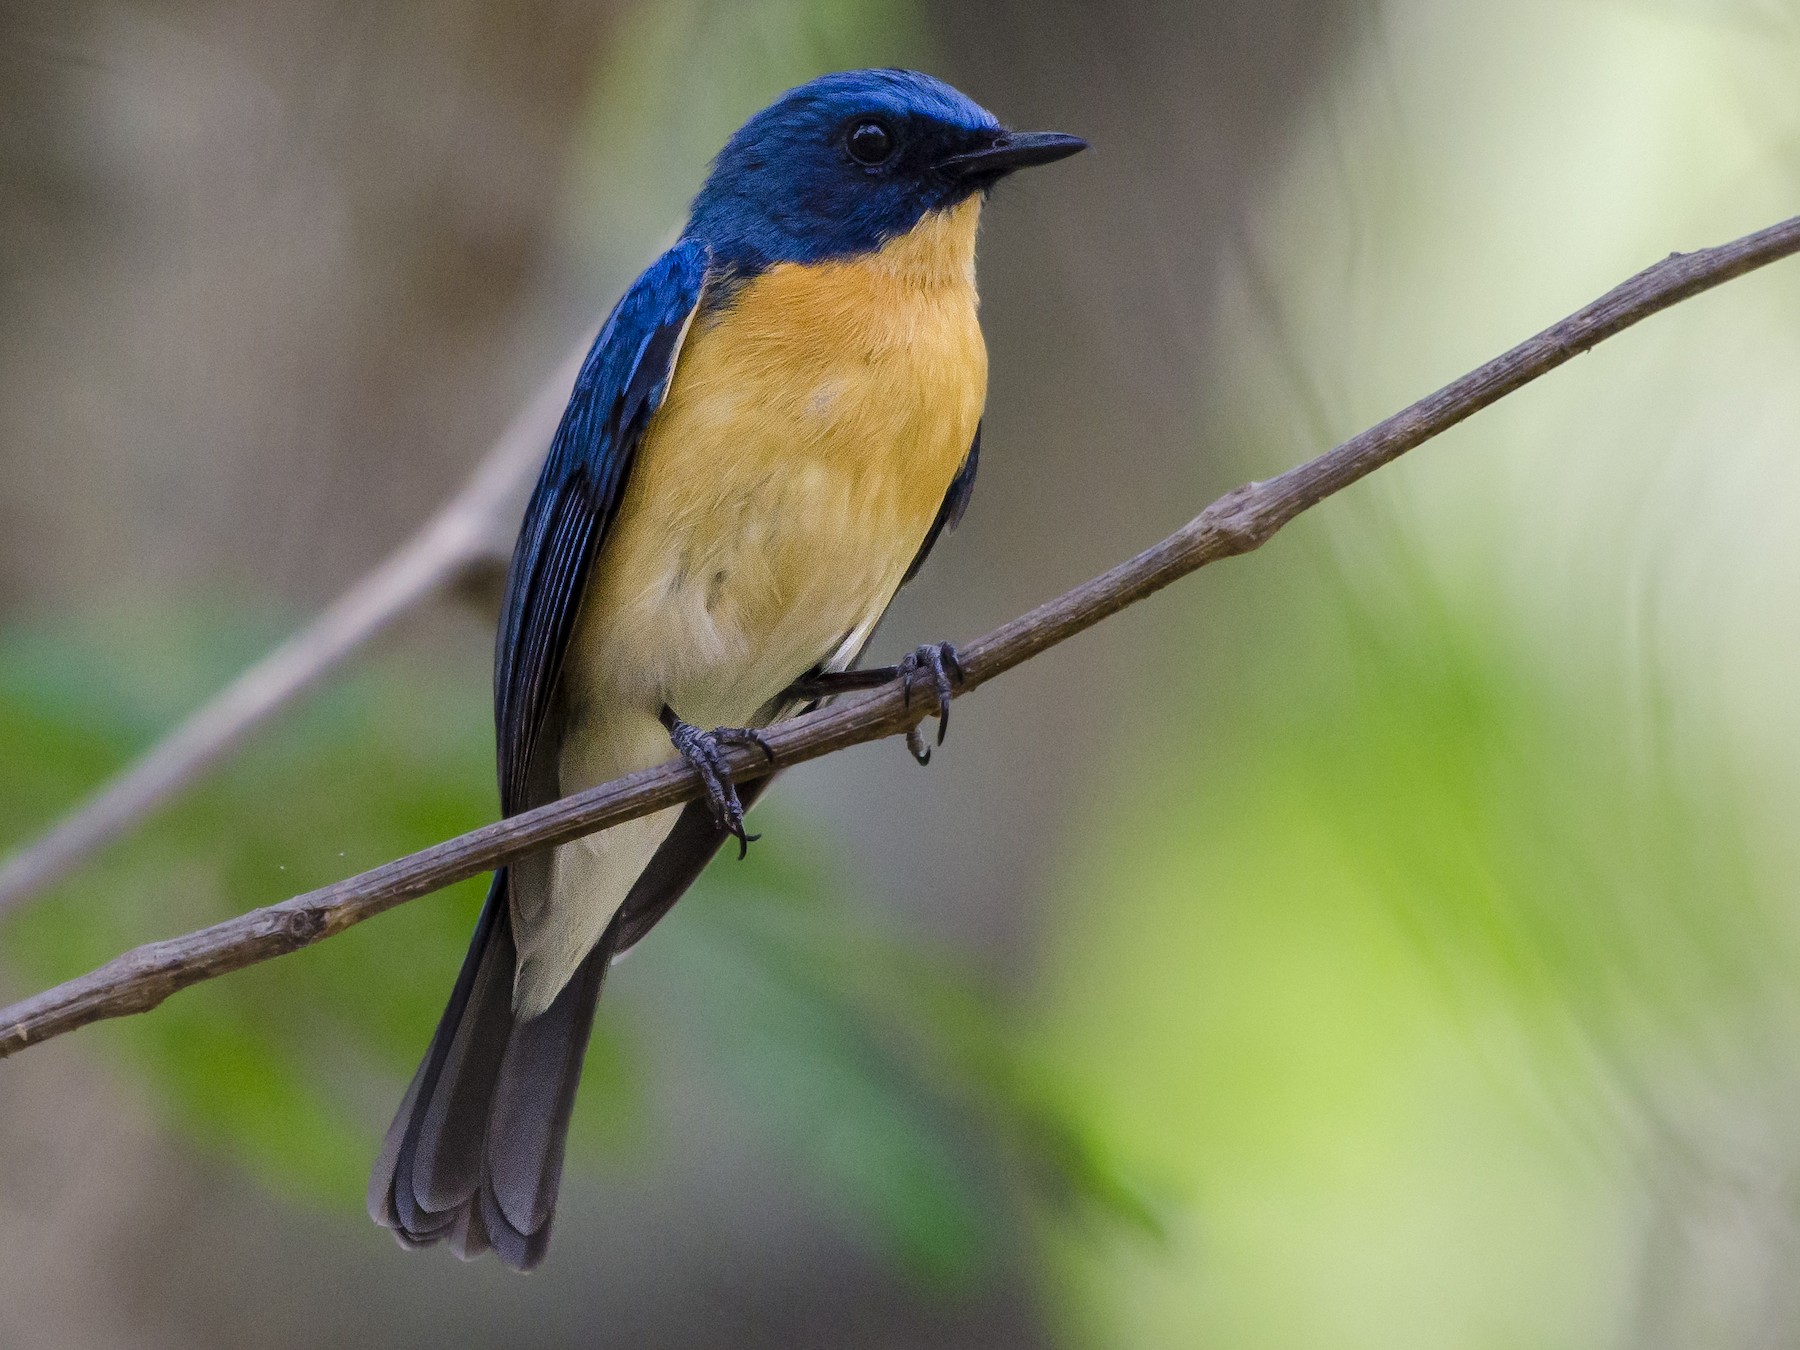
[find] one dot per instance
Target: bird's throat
(938, 251)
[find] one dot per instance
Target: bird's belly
(777, 500)
(717, 622)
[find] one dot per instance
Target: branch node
(1236, 521)
(299, 927)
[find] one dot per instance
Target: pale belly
(715, 618)
(776, 503)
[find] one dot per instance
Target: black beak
(1011, 150)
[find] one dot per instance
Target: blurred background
(1391, 939)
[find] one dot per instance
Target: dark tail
(476, 1150)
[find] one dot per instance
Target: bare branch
(467, 536)
(1238, 522)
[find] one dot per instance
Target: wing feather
(622, 383)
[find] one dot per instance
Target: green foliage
(280, 1065)
(1392, 999)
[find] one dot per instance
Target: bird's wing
(621, 385)
(956, 501)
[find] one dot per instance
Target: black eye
(869, 143)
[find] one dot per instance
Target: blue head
(849, 161)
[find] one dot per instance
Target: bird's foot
(937, 663)
(933, 663)
(704, 752)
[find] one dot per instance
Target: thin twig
(1238, 522)
(470, 532)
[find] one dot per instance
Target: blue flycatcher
(774, 427)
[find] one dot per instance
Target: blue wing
(621, 385)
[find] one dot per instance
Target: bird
(776, 423)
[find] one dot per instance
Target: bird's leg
(935, 661)
(704, 752)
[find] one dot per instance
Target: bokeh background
(1391, 939)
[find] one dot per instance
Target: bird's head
(848, 162)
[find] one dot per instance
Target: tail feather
(475, 1152)
(469, 1238)
(390, 1185)
(536, 1096)
(446, 1159)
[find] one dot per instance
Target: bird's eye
(869, 143)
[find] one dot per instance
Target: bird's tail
(476, 1150)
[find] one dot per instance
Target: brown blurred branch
(471, 533)
(1240, 521)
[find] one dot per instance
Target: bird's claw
(915, 744)
(704, 752)
(938, 662)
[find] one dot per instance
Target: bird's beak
(1012, 150)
